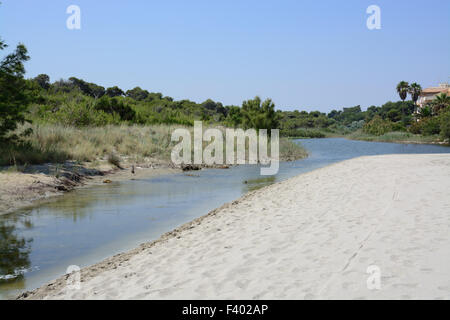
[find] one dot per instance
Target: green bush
(302, 133)
(377, 126)
(82, 115)
(355, 125)
(398, 126)
(114, 105)
(444, 118)
(415, 128)
(430, 126)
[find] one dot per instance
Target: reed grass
(57, 143)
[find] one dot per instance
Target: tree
(114, 105)
(424, 112)
(114, 92)
(348, 115)
(394, 115)
(14, 99)
(209, 104)
(415, 90)
(64, 86)
(333, 114)
(402, 89)
(259, 115)
(403, 107)
(138, 94)
(43, 81)
(371, 112)
(445, 124)
(89, 89)
(234, 116)
(96, 90)
(440, 102)
(377, 126)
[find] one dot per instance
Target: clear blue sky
(308, 55)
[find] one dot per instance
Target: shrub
(415, 128)
(114, 105)
(377, 126)
(290, 151)
(355, 125)
(430, 126)
(302, 133)
(81, 115)
(398, 126)
(445, 124)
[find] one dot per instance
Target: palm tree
(441, 101)
(415, 90)
(402, 89)
(424, 112)
(442, 98)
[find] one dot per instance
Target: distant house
(429, 94)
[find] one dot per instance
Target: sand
(314, 236)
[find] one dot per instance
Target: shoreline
(116, 260)
(349, 137)
(22, 190)
(150, 260)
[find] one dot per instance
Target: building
(429, 94)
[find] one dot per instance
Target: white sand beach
(310, 237)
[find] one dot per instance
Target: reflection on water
(255, 184)
(88, 225)
(14, 253)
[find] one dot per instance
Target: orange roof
(436, 90)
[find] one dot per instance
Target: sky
(306, 55)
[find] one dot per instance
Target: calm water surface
(85, 226)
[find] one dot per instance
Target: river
(87, 225)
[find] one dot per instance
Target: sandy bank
(313, 236)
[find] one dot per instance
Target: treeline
(315, 124)
(431, 119)
(78, 103)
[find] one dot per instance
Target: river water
(87, 225)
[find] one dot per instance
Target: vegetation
(79, 120)
(445, 124)
(428, 124)
(415, 90)
(394, 136)
(377, 126)
(13, 91)
(402, 89)
(259, 115)
(137, 143)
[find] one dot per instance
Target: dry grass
(57, 143)
(290, 151)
